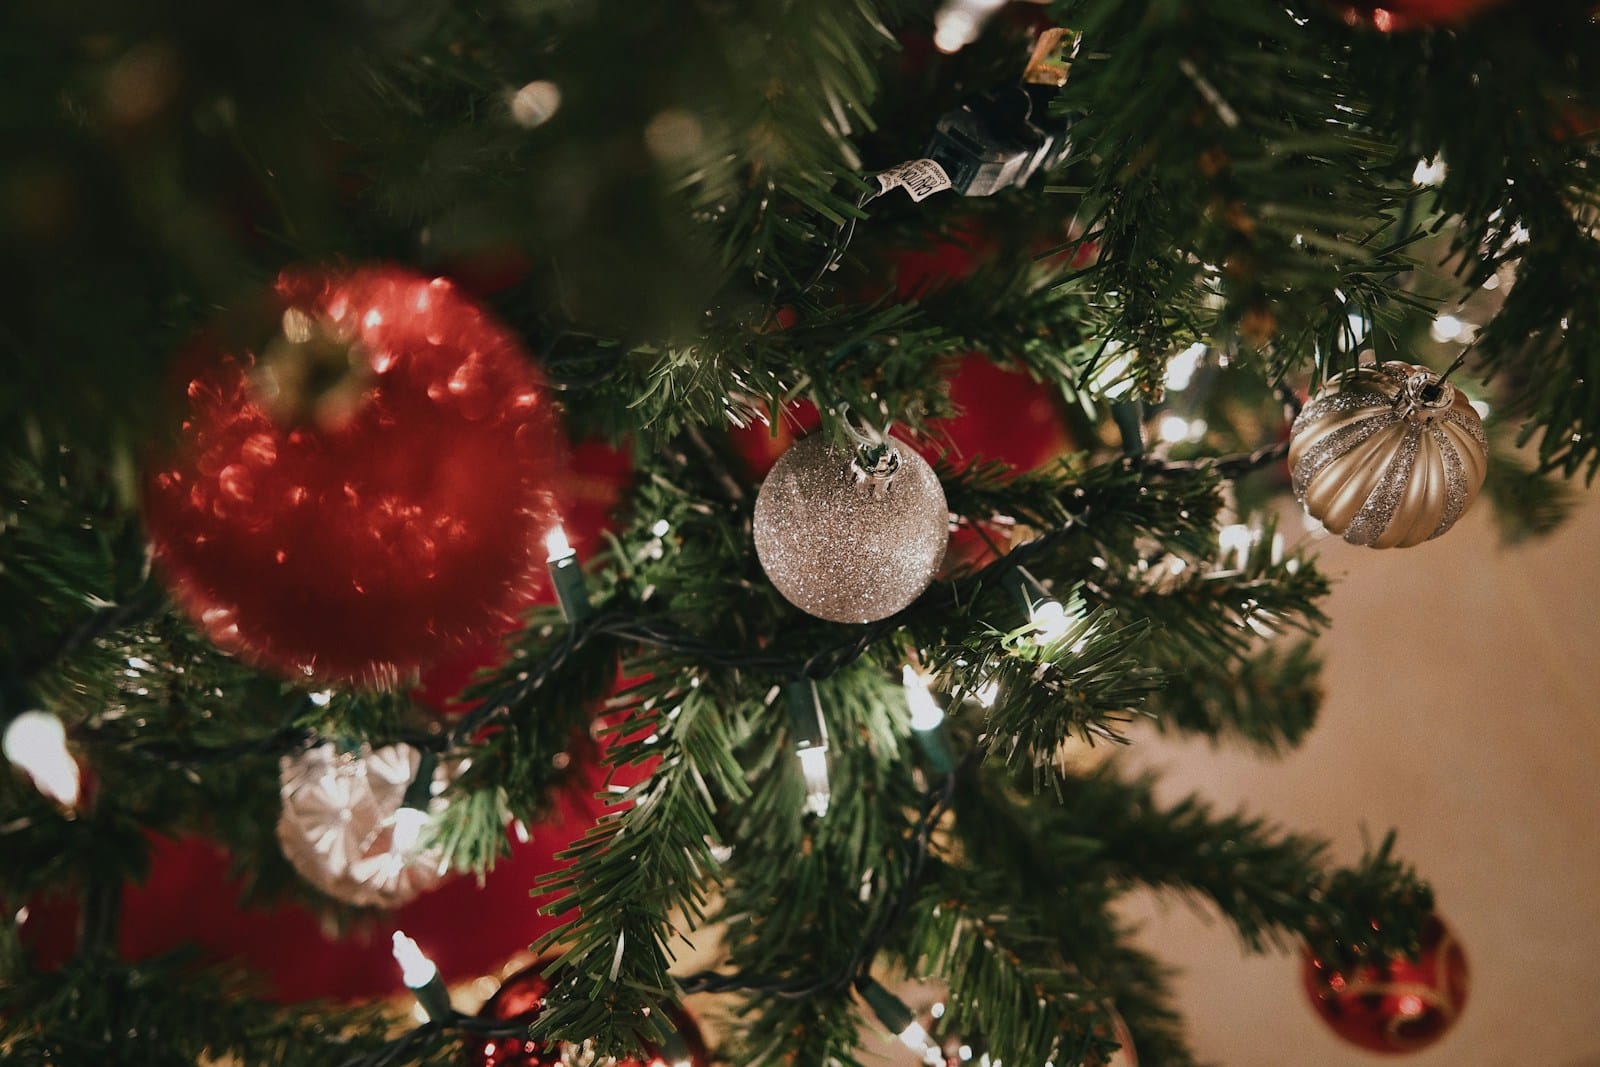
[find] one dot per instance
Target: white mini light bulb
(422, 978)
(1181, 367)
(959, 22)
(405, 828)
(566, 575)
(914, 1037)
(416, 969)
(1235, 541)
(1051, 620)
(926, 714)
(36, 743)
(556, 546)
(814, 768)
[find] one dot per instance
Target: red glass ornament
(387, 521)
(1394, 15)
(520, 998)
(1402, 1005)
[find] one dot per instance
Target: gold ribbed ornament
(1388, 455)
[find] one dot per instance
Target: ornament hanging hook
(1433, 390)
(875, 456)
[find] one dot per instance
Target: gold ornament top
(1388, 455)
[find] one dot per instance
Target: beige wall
(1462, 709)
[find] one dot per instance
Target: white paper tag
(920, 177)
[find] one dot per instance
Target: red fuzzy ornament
(1400, 1005)
(1393, 15)
(520, 998)
(368, 492)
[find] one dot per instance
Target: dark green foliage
(1240, 180)
(1527, 503)
(1267, 698)
(166, 1012)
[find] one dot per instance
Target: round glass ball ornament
(521, 998)
(345, 826)
(362, 489)
(1388, 455)
(1398, 1005)
(851, 536)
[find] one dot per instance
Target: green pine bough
(1240, 184)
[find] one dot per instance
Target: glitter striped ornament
(1388, 455)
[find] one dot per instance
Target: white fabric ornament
(851, 537)
(345, 827)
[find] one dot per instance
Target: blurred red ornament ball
(192, 899)
(1400, 1005)
(192, 895)
(1393, 15)
(520, 998)
(366, 493)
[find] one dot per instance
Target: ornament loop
(1422, 396)
(876, 457)
(876, 465)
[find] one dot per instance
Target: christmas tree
(720, 474)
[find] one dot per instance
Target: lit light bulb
(1448, 328)
(814, 766)
(1173, 428)
(1051, 620)
(422, 978)
(36, 743)
(1113, 376)
(405, 828)
(959, 22)
(1181, 367)
(566, 576)
(1429, 172)
(416, 969)
(810, 742)
(914, 1037)
(1235, 541)
(556, 545)
(926, 714)
(535, 104)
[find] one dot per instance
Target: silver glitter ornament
(1388, 455)
(851, 538)
(345, 827)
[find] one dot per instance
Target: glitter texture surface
(845, 549)
(1456, 495)
(337, 826)
(1341, 403)
(1375, 516)
(1376, 462)
(1470, 423)
(1325, 450)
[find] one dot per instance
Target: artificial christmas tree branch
(1268, 698)
(1248, 194)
